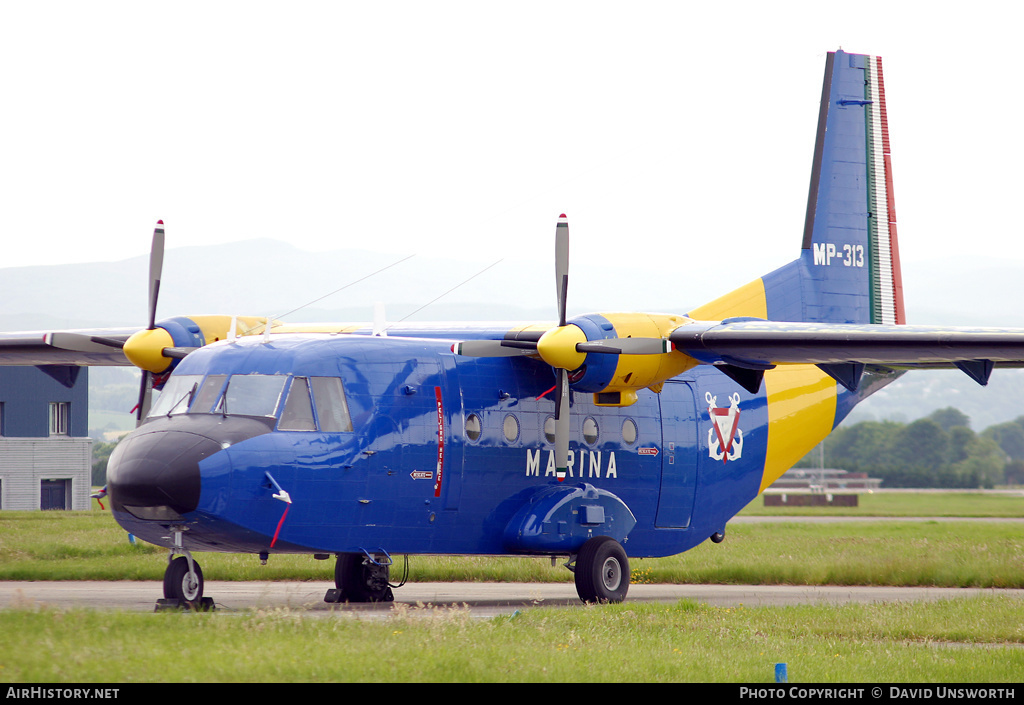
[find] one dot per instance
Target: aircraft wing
(843, 349)
(97, 346)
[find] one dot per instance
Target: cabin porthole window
(473, 427)
(629, 432)
(589, 430)
(511, 428)
(549, 429)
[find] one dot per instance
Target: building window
(1, 418)
(60, 418)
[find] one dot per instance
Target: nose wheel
(183, 581)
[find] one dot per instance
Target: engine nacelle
(147, 348)
(615, 379)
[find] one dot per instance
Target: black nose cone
(155, 474)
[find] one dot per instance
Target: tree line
(939, 450)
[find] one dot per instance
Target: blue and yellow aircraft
(603, 437)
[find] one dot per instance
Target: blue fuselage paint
(377, 486)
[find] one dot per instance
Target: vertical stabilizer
(849, 248)
(848, 270)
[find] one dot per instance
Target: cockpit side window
(176, 395)
(331, 407)
(251, 395)
(298, 410)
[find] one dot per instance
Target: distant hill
(269, 277)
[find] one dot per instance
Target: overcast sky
(677, 136)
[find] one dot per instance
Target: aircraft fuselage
(439, 452)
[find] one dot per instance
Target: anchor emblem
(725, 439)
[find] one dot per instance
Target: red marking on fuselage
(440, 441)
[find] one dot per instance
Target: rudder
(848, 269)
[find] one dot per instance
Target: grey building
(45, 449)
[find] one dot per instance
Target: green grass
(976, 640)
(907, 504)
(963, 640)
(928, 553)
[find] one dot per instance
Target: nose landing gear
(183, 581)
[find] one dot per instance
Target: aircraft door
(425, 435)
(679, 456)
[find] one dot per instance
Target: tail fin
(848, 270)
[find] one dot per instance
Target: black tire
(177, 585)
(602, 571)
(359, 582)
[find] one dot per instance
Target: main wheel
(602, 571)
(359, 582)
(179, 584)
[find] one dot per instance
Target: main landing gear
(361, 577)
(601, 569)
(183, 581)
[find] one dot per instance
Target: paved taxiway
(483, 599)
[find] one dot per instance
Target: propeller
(156, 265)
(154, 349)
(565, 347)
(562, 428)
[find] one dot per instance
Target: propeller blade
(562, 266)
(145, 397)
(562, 428)
(494, 348)
(80, 342)
(177, 353)
(156, 265)
(627, 346)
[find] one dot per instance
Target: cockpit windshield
(313, 403)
